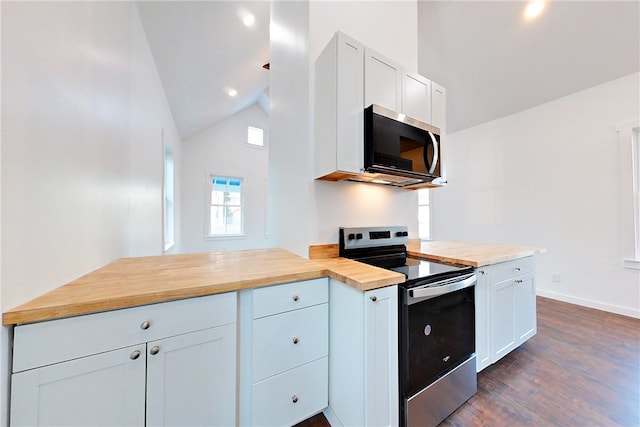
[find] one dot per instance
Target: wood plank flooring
(581, 369)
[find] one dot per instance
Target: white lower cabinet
(505, 309)
(106, 389)
(363, 356)
(185, 374)
(283, 353)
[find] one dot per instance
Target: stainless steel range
(437, 362)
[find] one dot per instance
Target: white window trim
(168, 239)
(630, 140)
(215, 237)
(258, 147)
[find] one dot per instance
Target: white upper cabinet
(382, 81)
(416, 96)
(438, 106)
(348, 78)
(339, 116)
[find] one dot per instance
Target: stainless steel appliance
(401, 150)
(437, 363)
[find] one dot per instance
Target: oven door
(437, 331)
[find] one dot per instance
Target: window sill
(226, 237)
(632, 263)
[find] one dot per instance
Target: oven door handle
(432, 291)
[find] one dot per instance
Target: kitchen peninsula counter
(474, 254)
(130, 282)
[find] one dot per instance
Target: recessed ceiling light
(232, 92)
(249, 20)
(533, 9)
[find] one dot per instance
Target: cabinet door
(438, 107)
(106, 389)
(525, 308)
(381, 357)
(502, 319)
(416, 96)
(483, 358)
(191, 378)
(349, 108)
(382, 81)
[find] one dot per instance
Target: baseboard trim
(331, 417)
(625, 311)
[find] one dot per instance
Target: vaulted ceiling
(492, 61)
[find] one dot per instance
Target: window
(629, 137)
(255, 137)
(168, 206)
(225, 210)
(635, 155)
(424, 214)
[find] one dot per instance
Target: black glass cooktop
(417, 269)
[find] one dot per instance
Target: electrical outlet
(556, 277)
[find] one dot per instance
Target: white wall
(550, 177)
(82, 153)
(305, 211)
(222, 150)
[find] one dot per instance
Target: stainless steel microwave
(400, 150)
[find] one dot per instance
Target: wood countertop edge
(56, 311)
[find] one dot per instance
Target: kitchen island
(221, 316)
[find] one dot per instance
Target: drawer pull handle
(296, 298)
(294, 399)
(145, 325)
(518, 281)
(154, 350)
(482, 272)
(134, 355)
(373, 298)
(296, 340)
(517, 268)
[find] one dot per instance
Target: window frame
(248, 144)
(210, 204)
(629, 137)
(168, 200)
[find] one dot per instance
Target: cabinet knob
(296, 340)
(294, 399)
(134, 355)
(482, 272)
(296, 298)
(154, 350)
(373, 298)
(517, 268)
(145, 325)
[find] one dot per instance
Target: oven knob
(399, 234)
(405, 233)
(351, 236)
(359, 236)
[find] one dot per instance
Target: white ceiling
(491, 61)
(202, 47)
(494, 63)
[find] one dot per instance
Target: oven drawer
(292, 396)
(509, 269)
(287, 340)
(290, 296)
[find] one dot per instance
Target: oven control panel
(368, 237)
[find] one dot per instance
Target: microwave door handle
(435, 153)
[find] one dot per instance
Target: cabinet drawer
(290, 296)
(287, 340)
(509, 269)
(292, 396)
(54, 341)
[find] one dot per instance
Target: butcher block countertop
(130, 282)
(468, 253)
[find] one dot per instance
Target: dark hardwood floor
(581, 369)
